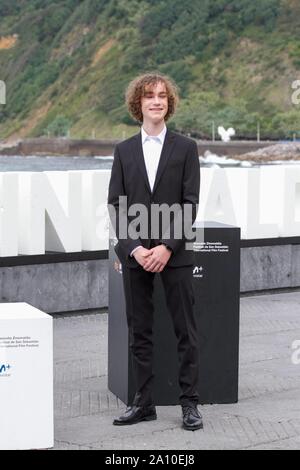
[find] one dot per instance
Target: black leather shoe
(136, 414)
(191, 417)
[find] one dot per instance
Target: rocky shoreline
(278, 152)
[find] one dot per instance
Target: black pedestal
(216, 285)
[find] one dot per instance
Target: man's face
(155, 103)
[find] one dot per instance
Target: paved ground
(266, 417)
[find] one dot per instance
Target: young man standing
(157, 166)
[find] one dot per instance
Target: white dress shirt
(152, 147)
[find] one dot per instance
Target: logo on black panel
(197, 271)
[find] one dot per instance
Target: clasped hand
(153, 260)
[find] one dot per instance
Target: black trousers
(178, 287)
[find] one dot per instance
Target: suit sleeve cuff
(167, 246)
(135, 249)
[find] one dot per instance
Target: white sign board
(66, 211)
(26, 377)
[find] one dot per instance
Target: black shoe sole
(127, 423)
(192, 428)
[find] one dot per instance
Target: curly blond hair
(136, 89)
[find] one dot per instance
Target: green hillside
(66, 64)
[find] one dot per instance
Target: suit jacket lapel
(139, 157)
(165, 154)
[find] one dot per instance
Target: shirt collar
(160, 137)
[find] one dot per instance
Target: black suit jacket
(177, 182)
